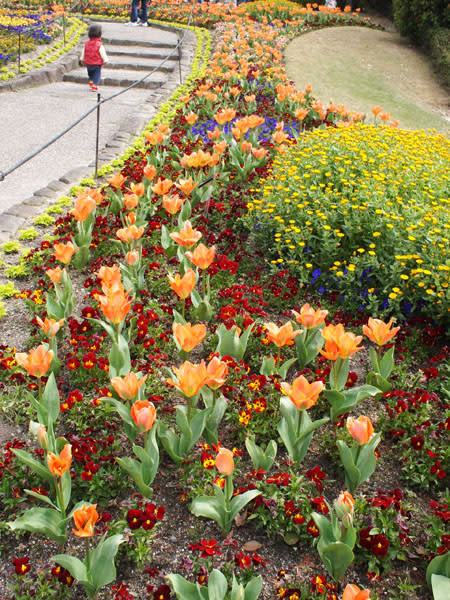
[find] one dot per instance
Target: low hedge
(440, 51)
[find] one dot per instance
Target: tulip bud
(224, 461)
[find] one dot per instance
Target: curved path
(361, 67)
(32, 116)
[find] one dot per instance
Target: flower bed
(350, 211)
(145, 424)
(35, 28)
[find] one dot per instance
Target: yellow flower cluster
(353, 198)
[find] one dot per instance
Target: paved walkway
(31, 117)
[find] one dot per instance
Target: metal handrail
(4, 174)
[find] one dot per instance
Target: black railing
(176, 50)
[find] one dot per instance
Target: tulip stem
(183, 308)
(189, 408)
(60, 496)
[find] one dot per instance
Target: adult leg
(134, 11)
(144, 15)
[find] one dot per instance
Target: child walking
(94, 56)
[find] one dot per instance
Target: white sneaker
(132, 24)
(143, 24)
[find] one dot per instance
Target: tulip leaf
(209, 507)
(185, 590)
(51, 399)
(66, 484)
(34, 465)
(378, 381)
(217, 585)
(325, 528)
(440, 565)
(119, 358)
(440, 586)
(42, 497)
(387, 363)
(238, 502)
(45, 521)
(102, 567)
(336, 557)
(339, 373)
(261, 459)
(74, 565)
(252, 589)
(352, 473)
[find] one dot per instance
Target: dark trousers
(94, 73)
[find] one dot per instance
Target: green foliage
(417, 18)
(11, 247)
(217, 588)
(28, 234)
(440, 51)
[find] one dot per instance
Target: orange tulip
(58, 465)
(339, 343)
(116, 180)
(128, 387)
(85, 519)
(360, 429)
(172, 204)
(83, 208)
(302, 393)
(224, 461)
(186, 185)
(189, 336)
(54, 274)
(92, 193)
(183, 286)
(115, 305)
(190, 378)
(49, 326)
(132, 257)
(202, 257)
(130, 201)
(191, 118)
(308, 317)
(162, 186)
(385, 116)
(213, 135)
(353, 592)
(110, 278)
(301, 113)
(37, 362)
(154, 137)
(216, 371)
(129, 234)
(137, 188)
(379, 332)
(220, 147)
(224, 115)
(259, 153)
(187, 236)
(64, 252)
(149, 172)
(143, 414)
(346, 502)
(281, 336)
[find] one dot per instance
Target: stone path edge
(15, 217)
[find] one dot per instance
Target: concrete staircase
(133, 52)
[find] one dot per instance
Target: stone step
(168, 40)
(137, 63)
(119, 78)
(135, 50)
